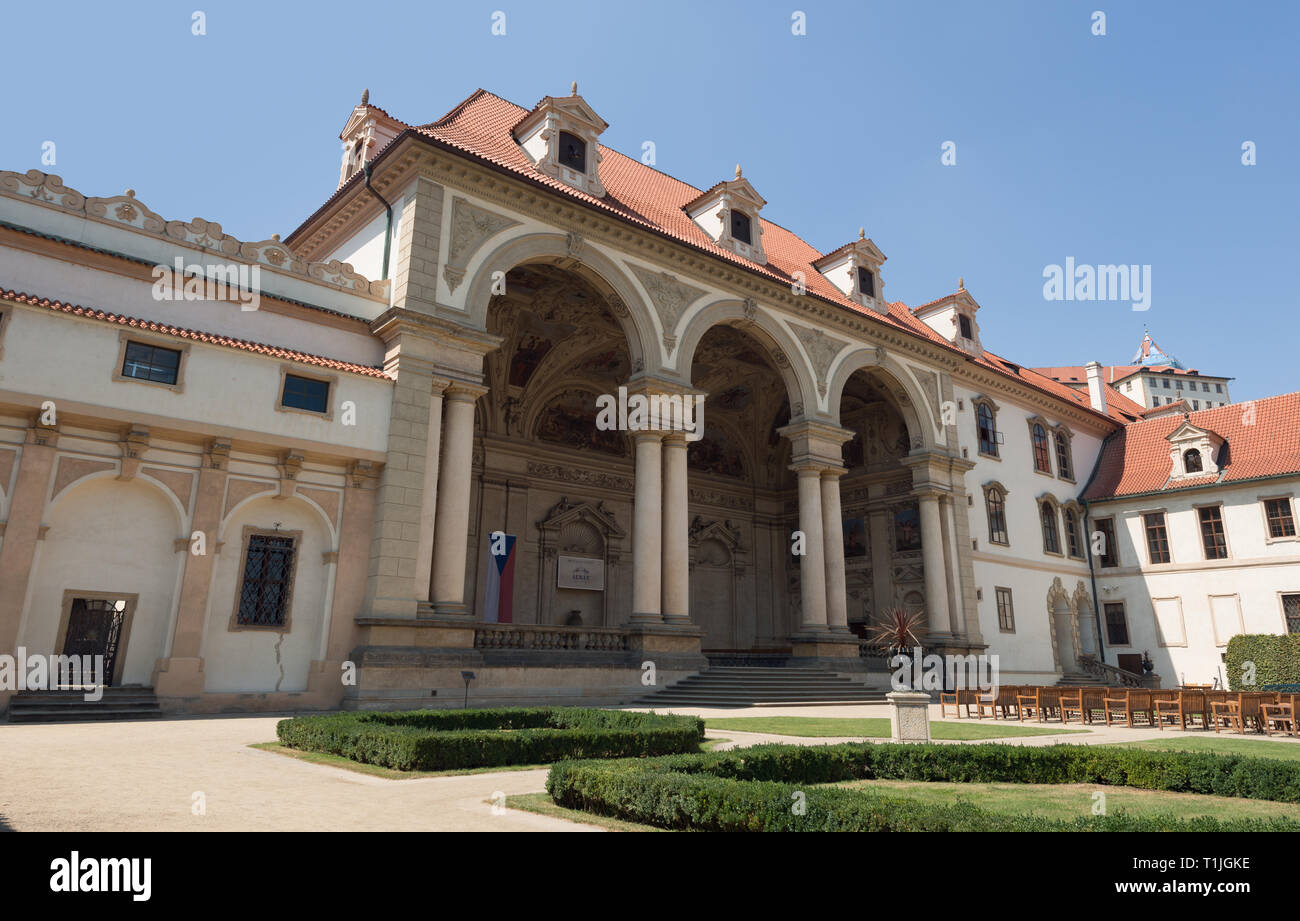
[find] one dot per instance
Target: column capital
(463, 391)
(930, 491)
(817, 441)
(675, 440)
(641, 435)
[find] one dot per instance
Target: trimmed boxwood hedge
(754, 789)
(434, 740)
(1276, 658)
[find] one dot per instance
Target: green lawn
(874, 728)
(1223, 745)
(1067, 801)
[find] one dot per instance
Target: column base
(646, 618)
(441, 609)
(824, 644)
(678, 620)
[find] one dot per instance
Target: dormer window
(866, 282)
(954, 318)
(573, 152)
(966, 331)
(740, 226)
(1192, 461)
(854, 269)
(1193, 451)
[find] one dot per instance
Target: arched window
(357, 158)
(1042, 460)
(995, 505)
(1051, 536)
(1192, 461)
(987, 430)
(1072, 545)
(1064, 462)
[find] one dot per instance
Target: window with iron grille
(987, 430)
(1212, 534)
(995, 505)
(1280, 522)
(1109, 552)
(1006, 614)
(146, 362)
(1051, 536)
(305, 393)
(1291, 611)
(1157, 537)
(740, 229)
(573, 152)
(1116, 623)
(1042, 460)
(267, 584)
(1064, 463)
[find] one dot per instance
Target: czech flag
(498, 604)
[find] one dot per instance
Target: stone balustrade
(538, 636)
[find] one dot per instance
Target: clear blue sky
(1117, 149)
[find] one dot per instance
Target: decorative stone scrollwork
(471, 227)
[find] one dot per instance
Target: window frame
(246, 542)
(1044, 502)
(1067, 510)
(1105, 622)
(1147, 536)
(864, 271)
(1223, 528)
(1036, 425)
(1000, 491)
(1112, 542)
(986, 403)
(1290, 508)
(559, 152)
(1281, 602)
(732, 214)
(1200, 462)
(331, 380)
(124, 340)
(1010, 609)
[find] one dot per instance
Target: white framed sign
(581, 572)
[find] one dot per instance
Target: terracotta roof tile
(1262, 440)
(261, 348)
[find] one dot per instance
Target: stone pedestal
(909, 716)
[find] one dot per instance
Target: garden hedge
(1276, 658)
(433, 740)
(754, 789)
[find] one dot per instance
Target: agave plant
(898, 628)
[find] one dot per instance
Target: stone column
(451, 529)
(647, 530)
(428, 509)
(22, 529)
(812, 566)
(676, 534)
(952, 553)
(181, 673)
(882, 561)
(936, 578)
(837, 612)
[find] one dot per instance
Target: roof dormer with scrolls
(1193, 451)
(953, 318)
(854, 268)
(368, 131)
(728, 213)
(560, 136)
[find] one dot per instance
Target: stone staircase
(1081, 680)
(71, 706)
(759, 686)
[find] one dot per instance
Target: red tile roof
(481, 127)
(1262, 440)
(150, 326)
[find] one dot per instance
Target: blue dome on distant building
(1151, 355)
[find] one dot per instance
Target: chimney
(1096, 389)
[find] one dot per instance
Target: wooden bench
(1280, 715)
(1184, 706)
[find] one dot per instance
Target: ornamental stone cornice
(417, 156)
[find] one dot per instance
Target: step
(61, 706)
(86, 716)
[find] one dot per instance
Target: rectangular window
(1072, 535)
(573, 152)
(866, 282)
(305, 393)
(1291, 612)
(1064, 463)
(997, 515)
(1109, 552)
(966, 331)
(740, 226)
(146, 362)
(1205, 387)
(1196, 404)
(1116, 624)
(267, 583)
(1006, 614)
(1165, 383)
(1213, 537)
(1157, 537)
(1280, 521)
(1218, 388)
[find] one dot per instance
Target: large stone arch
(780, 346)
(910, 402)
(599, 270)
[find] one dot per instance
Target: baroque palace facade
(292, 503)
